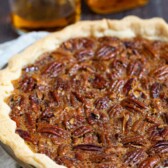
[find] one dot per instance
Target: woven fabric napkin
(8, 49)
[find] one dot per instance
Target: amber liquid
(112, 6)
(29, 19)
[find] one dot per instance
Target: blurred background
(154, 8)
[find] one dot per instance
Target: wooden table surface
(155, 8)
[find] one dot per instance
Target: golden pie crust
(129, 27)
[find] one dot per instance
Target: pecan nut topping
(96, 103)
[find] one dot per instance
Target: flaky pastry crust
(129, 27)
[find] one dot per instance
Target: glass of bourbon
(48, 15)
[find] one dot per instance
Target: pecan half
(134, 105)
(88, 147)
(106, 52)
(150, 162)
(55, 96)
(102, 103)
(136, 140)
(27, 84)
(117, 68)
(82, 131)
(128, 86)
(78, 96)
(80, 67)
(78, 43)
(160, 147)
(161, 73)
(25, 135)
(139, 126)
(53, 69)
(156, 133)
(116, 86)
(134, 68)
(115, 110)
(54, 130)
(134, 157)
(83, 55)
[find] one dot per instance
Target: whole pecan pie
(94, 95)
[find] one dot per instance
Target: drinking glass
(49, 15)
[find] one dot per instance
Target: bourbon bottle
(112, 6)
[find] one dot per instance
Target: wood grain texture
(155, 8)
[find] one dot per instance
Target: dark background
(155, 8)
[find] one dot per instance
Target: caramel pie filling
(96, 103)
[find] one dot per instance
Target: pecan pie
(94, 95)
